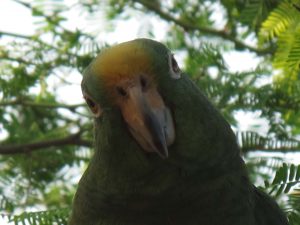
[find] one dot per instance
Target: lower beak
(149, 120)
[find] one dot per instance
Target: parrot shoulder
(267, 212)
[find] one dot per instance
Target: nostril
(121, 91)
(143, 83)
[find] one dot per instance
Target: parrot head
(127, 76)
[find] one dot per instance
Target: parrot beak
(148, 119)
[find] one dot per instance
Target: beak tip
(164, 154)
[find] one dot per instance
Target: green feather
(203, 181)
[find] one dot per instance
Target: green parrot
(163, 154)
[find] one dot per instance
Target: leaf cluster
(49, 217)
(33, 69)
(287, 178)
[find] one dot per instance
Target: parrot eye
(94, 107)
(174, 68)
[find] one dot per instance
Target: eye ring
(174, 68)
(175, 65)
(93, 106)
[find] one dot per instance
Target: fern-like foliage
(253, 141)
(283, 26)
(287, 176)
(287, 56)
(286, 181)
(49, 217)
(256, 11)
(5, 206)
(279, 21)
(293, 207)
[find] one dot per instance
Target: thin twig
(43, 105)
(73, 139)
(193, 27)
(19, 60)
(270, 149)
(49, 18)
(3, 33)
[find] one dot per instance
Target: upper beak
(149, 120)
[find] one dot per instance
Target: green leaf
(292, 172)
(280, 190)
(279, 20)
(298, 173)
(289, 186)
(285, 172)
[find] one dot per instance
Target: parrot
(164, 155)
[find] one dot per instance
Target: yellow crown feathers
(122, 61)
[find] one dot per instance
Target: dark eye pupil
(90, 103)
(121, 91)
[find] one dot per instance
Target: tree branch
(18, 60)
(45, 105)
(49, 18)
(3, 33)
(269, 149)
(33, 38)
(193, 27)
(73, 139)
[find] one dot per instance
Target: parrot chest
(186, 200)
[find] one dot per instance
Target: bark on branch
(43, 105)
(207, 30)
(73, 139)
